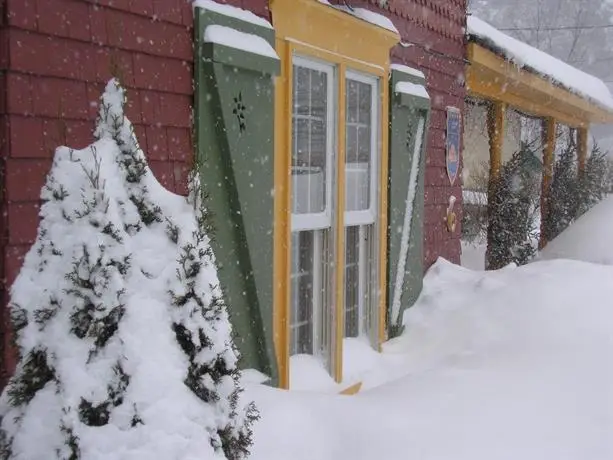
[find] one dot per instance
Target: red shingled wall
(439, 25)
(56, 55)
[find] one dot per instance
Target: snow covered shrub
(563, 202)
(125, 345)
(594, 182)
(512, 204)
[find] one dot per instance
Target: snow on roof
(524, 55)
(408, 70)
(366, 15)
(406, 87)
(233, 38)
(232, 11)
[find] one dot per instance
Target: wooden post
(496, 132)
(549, 144)
(582, 141)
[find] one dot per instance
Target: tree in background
(594, 183)
(512, 206)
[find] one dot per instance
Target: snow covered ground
(588, 239)
(514, 364)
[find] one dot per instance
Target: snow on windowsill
(412, 89)
(361, 364)
(233, 38)
(408, 70)
(557, 71)
(366, 15)
(233, 12)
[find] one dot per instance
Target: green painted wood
(405, 111)
(234, 132)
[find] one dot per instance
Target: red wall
(56, 55)
(438, 24)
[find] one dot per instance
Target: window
(361, 191)
(313, 129)
(314, 206)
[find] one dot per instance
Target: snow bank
(506, 365)
(587, 239)
(559, 72)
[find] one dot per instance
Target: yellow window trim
(313, 29)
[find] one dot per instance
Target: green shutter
(405, 261)
(234, 130)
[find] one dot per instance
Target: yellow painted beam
(339, 329)
(582, 144)
(496, 115)
(492, 77)
(319, 26)
(549, 144)
(383, 217)
(282, 213)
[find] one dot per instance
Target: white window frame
(368, 216)
(321, 220)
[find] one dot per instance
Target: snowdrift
(514, 364)
(588, 239)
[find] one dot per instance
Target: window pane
(359, 152)
(361, 281)
(309, 152)
(352, 101)
(301, 320)
(352, 282)
(365, 104)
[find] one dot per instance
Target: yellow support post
(549, 144)
(282, 213)
(582, 141)
(339, 326)
(496, 128)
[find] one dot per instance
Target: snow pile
(125, 342)
(524, 55)
(506, 365)
(587, 239)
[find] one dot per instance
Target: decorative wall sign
(454, 126)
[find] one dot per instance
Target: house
(319, 130)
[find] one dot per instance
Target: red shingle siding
(56, 56)
(436, 29)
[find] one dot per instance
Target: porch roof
(504, 69)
